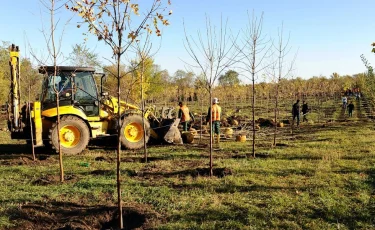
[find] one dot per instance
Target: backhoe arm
(15, 97)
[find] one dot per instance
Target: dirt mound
(22, 159)
(53, 179)
(106, 159)
(266, 122)
(282, 145)
(263, 155)
(218, 172)
(102, 172)
(68, 216)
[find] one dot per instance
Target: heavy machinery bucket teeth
(167, 131)
(167, 113)
(173, 135)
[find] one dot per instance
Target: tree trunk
(54, 55)
(119, 199)
(253, 113)
(58, 138)
(211, 136)
(143, 113)
(276, 113)
(31, 126)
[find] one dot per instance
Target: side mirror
(103, 77)
(104, 94)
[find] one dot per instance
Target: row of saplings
(230, 126)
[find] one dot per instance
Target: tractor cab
(74, 85)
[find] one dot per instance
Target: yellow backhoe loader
(85, 113)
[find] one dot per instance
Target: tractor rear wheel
(132, 135)
(74, 135)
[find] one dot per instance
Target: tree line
(161, 87)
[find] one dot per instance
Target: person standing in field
(305, 110)
(185, 115)
(358, 96)
(344, 102)
(295, 112)
(214, 116)
(350, 109)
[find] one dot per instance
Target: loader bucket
(166, 131)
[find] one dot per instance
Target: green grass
(322, 177)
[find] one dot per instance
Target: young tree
(282, 49)
(55, 52)
(212, 53)
(143, 71)
(113, 22)
(31, 85)
(253, 51)
(53, 44)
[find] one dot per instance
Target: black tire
(76, 136)
(47, 144)
(132, 135)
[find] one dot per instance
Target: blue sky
(330, 35)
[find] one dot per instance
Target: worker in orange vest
(185, 115)
(215, 117)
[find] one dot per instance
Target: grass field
(320, 177)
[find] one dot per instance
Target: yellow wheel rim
(133, 132)
(69, 136)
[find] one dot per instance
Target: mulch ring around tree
(69, 216)
(53, 179)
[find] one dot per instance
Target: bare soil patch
(105, 159)
(69, 216)
(23, 159)
(54, 179)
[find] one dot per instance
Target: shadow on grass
(146, 173)
(356, 218)
(13, 154)
(230, 188)
(361, 216)
(297, 157)
(371, 178)
(219, 216)
(195, 172)
(68, 215)
(279, 173)
(164, 157)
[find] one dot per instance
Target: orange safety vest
(185, 114)
(216, 111)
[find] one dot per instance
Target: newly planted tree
(212, 52)
(53, 43)
(116, 24)
(142, 70)
(280, 71)
(253, 51)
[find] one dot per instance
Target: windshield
(82, 88)
(62, 84)
(85, 88)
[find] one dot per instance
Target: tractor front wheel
(74, 135)
(132, 134)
